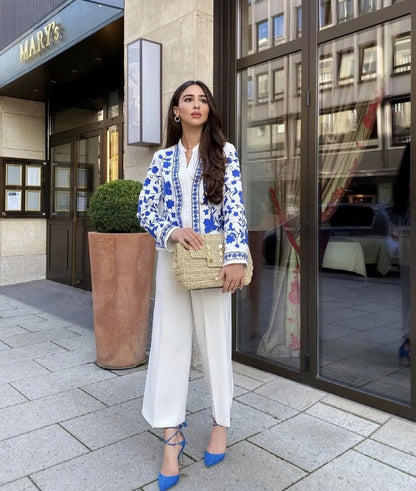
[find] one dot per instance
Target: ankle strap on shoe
(178, 430)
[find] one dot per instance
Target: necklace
(188, 153)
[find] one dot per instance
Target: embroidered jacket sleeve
(153, 200)
(235, 221)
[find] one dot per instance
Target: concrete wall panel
(185, 30)
(22, 236)
(22, 129)
(19, 269)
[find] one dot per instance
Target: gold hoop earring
(177, 119)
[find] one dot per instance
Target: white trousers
(176, 312)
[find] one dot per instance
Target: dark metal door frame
(318, 37)
(54, 272)
(72, 222)
(226, 68)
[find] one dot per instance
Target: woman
(192, 187)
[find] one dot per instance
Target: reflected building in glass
(322, 130)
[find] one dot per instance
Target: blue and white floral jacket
(160, 204)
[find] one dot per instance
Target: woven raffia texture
(196, 270)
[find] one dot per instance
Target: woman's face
(193, 107)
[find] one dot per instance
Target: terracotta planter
(121, 276)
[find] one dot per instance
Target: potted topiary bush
(121, 258)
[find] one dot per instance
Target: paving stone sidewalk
(66, 424)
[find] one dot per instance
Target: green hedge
(113, 207)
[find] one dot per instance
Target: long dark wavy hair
(211, 146)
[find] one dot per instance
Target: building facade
(315, 94)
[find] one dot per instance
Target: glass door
(364, 226)
(75, 174)
(268, 321)
(88, 172)
(60, 227)
(323, 125)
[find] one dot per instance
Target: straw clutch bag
(196, 270)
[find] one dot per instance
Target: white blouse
(186, 176)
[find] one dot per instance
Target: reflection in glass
(33, 173)
(113, 104)
(262, 87)
(112, 153)
(363, 236)
(298, 22)
(367, 6)
(13, 175)
(401, 121)
(82, 202)
(325, 72)
(346, 67)
(88, 170)
(62, 201)
(401, 53)
(75, 117)
(278, 28)
(279, 138)
(268, 310)
(348, 9)
(250, 90)
(32, 201)
(338, 126)
(62, 177)
(82, 178)
(368, 62)
(298, 69)
(325, 13)
(262, 35)
(345, 10)
(279, 83)
(268, 23)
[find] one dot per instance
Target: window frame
(266, 44)
(264, 99)
(398, 139)
(325, 7)
(250, 89)
(278, 96)
(395, 68)
(298, 78)
(278, 39)
(24, 188)
(298, 22)
(363, 11)
(370, 75)
(344, 81)
(328, 84)
(347, 3)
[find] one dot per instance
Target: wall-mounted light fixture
(144, 93)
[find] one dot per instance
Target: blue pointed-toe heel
(167, 482)
(211, 459)
(404, 353)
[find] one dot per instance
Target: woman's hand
(233, 275)
(188, 238)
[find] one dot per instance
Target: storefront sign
(70, 25)
(40, 40)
